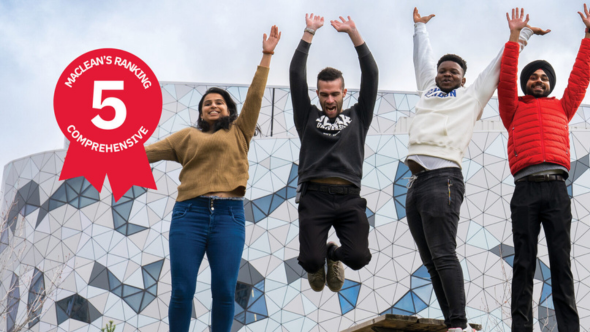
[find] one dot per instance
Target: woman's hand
(269, 44)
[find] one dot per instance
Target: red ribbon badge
(108, 102)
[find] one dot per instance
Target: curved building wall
(115, 262)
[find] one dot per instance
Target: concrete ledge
(400, 323)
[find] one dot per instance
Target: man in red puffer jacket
(538, 152)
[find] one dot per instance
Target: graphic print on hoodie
(333, 128)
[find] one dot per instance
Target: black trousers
(534, 204)
(433, 205)
(318, 211)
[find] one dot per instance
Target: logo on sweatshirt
(333, 128)
(438, 93)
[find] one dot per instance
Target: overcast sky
(220, 42)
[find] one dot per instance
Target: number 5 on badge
(116, 103)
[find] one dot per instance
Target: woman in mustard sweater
(208, 217)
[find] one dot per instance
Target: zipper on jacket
(541, 121)
(514, 144)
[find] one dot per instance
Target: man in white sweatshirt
(438, 137)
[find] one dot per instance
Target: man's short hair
(329, 74)
(455, 58)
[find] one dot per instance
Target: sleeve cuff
(362, 50)
(303, 47)
(512, 45)
(525, 33)
(419, 27)
(263, 69)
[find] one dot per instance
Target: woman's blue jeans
(215, 227)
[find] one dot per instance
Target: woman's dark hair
(223, 122)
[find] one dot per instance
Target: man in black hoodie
(330, 161)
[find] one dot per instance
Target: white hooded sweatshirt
(443, 125)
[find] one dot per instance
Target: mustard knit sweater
(214, 162)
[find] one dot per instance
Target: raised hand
(314, 22)
(344, 26)
(420, 19)
(269, 44)
(538, 31)
(517, 22)
(585, 19)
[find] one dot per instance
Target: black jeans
(534, 204)
(433, 204)
(318, 211)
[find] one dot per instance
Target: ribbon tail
(130, 169)
(76, 164)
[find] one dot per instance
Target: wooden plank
(400, 323)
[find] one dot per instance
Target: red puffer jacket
(538, 127)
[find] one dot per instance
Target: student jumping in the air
(208, 217)
(331, 161)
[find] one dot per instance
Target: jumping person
(331, 160)
(438, 137)
(208, 216)
(538, 153)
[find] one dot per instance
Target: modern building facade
(110, 259)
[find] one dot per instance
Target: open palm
(314, 22)
(518, 21)
(586, 18)
(421, 19)
(344, 25)
(269, 44)
(539, 31)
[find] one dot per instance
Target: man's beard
(532, 92)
